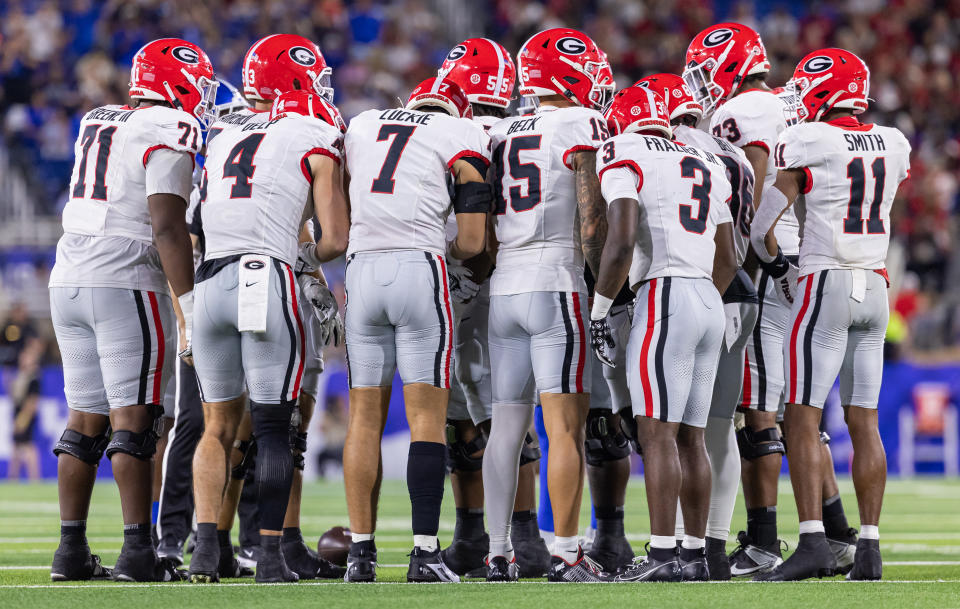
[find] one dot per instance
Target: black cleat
(693, 565)
(229, 567)
(205, 563)
(467, 557)
(361, 563)
(308, 564)
(191, 544)
(74, 562)
(139, 563)
(867, 564)
(169, 570)
(650, 569)
(499, 569)
(812, 558)
(844, 548)
(613, 554)
(428, 567)
(532, 555)
(170, 549)
(582, 571)
(247, 556)
(272, 568)
(718, 563)
(749, 559)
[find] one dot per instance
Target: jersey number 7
(384, 183)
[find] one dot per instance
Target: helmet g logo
(303, 56)
(820, 63)
(456, 52)
(571, 46)
(186, 55)
(717, 37)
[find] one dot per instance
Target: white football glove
(462, 287)
(786, 286)
(325, 307)
(186, 309)
(307, 261)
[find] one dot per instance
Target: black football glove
(601, 339)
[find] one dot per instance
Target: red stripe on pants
(793, 339)
(296, 315)
(583, 342)
(161, 345)
(645, 349)
(747, 379)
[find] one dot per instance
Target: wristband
(601, 306)
(186, 309)
(777, 267)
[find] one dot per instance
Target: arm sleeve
(723, 192)
(755, 126)
(169, 129)
(619, 182)
(472, 146)
(170, 172)
(586, 131)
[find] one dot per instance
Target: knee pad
(88, 449)
(628, 425)
(605, 441)
(530, 451)
(461, 459)
(140, 445)
(298, 444)
(757, 444)
(271, 421)
(248, 450)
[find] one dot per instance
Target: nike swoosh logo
(250, 283)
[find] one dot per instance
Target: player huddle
(600, 255)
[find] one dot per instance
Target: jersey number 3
(689, 166)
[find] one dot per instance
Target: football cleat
(532, 555)
(168, 571)
(499, 569)
(247, 556)
(650, 569)
(74, 562)
(428, 567)
(612, 553)
(696, 568)
(230, 567)
(205, 563)
(307, 564)
(812, 558)
(171, 550)
(583, 570)
(748, 559)
(718, 564)
(844, 550)
(867, 563)
(139, 563)
(361, 562)
(273, 569)
(466, 557)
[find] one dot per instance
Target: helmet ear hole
(182, 90)
(821, 94)
(570, 80)
(296, 84)
(732, 67)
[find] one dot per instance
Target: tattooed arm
(592, 210)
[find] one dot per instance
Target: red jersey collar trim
(850, 123)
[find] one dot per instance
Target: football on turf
(334, 545)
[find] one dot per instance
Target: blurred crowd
(59, 58)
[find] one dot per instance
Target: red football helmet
(674, 92)
(178, 72)
(483, 69)
(443, 93)
(638, 109)
(285, 62)
(828, 79)
(307, 103)
(566, 62)
(719, 59)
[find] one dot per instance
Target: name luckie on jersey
(406, 116)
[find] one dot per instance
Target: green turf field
(920, 538)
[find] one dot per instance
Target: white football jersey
(739, 173)
(108, 236)
(682, 192)
(756, 118)
(258, 182)
(534, 186)
(485, 122)
(853, 173)
(401, 185)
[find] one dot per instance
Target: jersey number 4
(239, 165)
(104, 141)
(384, 183)
(853, 223)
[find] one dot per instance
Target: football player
(124, 238)
(842, 176)
(549, 217)
(249, 331)
(740, 306)
(403, 164)
(670, 231)
(484, 71)
(726, 70)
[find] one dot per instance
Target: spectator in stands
(25, 392)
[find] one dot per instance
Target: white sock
(358, 537)
(721, 443)
(869, 531)
(811, 526)
(693, 543)
(566, 548)
(663, 542)
(426, 542)
(500, 545)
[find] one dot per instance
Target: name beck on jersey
(864, 142)
(406, 116)
(527, 124)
